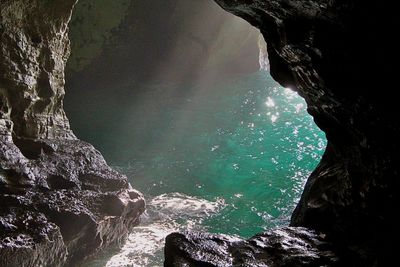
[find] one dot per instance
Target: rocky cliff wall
(33, 56)
(60, 202)
(338, 56)
(58, 194)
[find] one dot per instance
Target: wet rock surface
(66, 202)
(27, 238)
(60, 201)
(288, 246)
(72, 223)
(337, 55)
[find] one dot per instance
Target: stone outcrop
(338, 56)
(284, 247)
(60, 202)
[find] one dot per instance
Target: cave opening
(180, 100)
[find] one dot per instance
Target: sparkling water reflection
(238, 154)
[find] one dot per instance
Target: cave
(59, 195)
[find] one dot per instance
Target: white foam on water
(165, 214)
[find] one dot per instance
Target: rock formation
(283, 247)
(60, 202)
(337, 55)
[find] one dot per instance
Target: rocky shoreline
(73, 207)
(288, 246)
(62, 203)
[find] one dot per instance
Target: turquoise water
(228, 157)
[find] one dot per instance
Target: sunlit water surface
(229, 158)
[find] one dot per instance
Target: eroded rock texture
(60, 202)
(283, 247)
(339, 56)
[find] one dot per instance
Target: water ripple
(165, 214)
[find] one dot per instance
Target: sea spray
(165, 214)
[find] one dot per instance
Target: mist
(116, 55)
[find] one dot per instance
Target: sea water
(227, 157)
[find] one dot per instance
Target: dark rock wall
(337, 54)
(60, 202)
(330, 52)
(340, 56)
